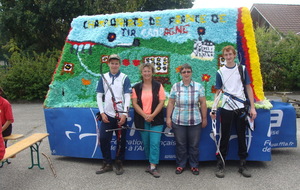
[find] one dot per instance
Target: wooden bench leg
(35, 148)
(3, 162)
(6, 161)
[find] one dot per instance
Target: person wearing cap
(6, 115)
(120, 88)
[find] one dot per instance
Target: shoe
(105, 168)
(179, 170)
(195, 171)
(119, 167)
(243, 170)
(220, 173)
(154, 172)
(147, 169)
(220, 169)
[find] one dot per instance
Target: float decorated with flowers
(166, 39)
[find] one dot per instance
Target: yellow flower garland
(253, 55)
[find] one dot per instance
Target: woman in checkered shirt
(187, 119)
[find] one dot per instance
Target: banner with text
(77, 137)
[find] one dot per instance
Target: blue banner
(283, 127)
(73, 132)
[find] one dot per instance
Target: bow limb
(216, 101)
(217, 142)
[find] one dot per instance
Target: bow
(137, 129)
(214, 126)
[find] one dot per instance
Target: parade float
(166, 39)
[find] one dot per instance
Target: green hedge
(29, 76)
(279, 58)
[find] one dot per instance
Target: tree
(279, 59)
(31, 32)
(288, 55)
(39, 25)
(151, 5)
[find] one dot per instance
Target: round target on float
(111, 37)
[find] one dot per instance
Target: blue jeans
(151, 141)
(106, 137)
(187, 144)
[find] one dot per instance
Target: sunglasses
(183, 72)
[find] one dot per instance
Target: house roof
(282, 17)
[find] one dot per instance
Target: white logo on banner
(276, 121)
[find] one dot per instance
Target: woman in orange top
(148, 99)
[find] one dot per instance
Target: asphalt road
(76, 173)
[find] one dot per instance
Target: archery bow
(214, 126)
(137, 129)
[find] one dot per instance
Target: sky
(238, 3)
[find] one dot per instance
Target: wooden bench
(13, 137)
(33, 142)
(10, 137)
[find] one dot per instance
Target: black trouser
(7, 131)
(106, 137)
(230, 120)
